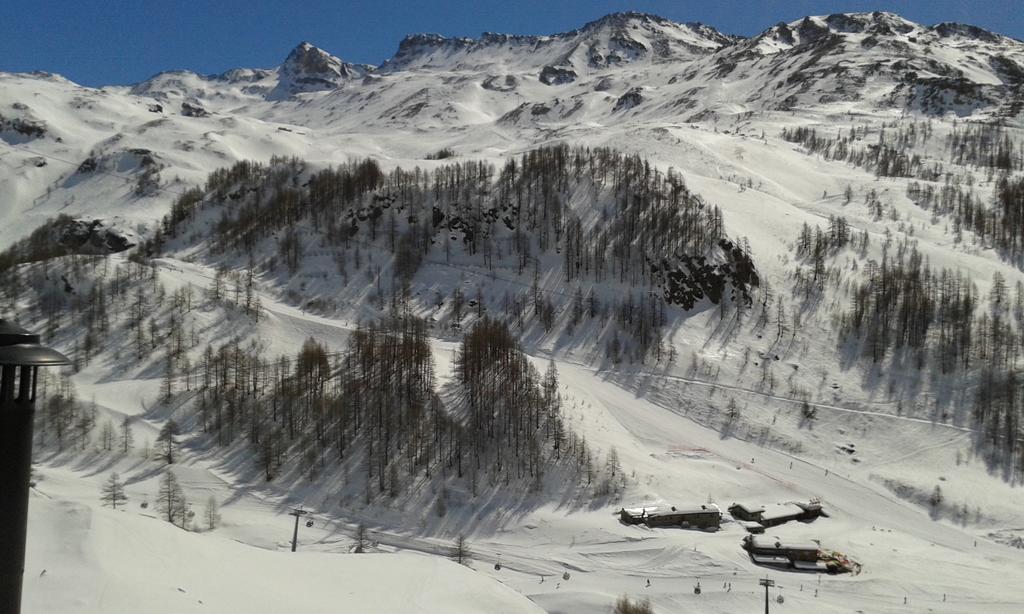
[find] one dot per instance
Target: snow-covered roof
(781, 510)
(694, 509)
(749, 508)
(770, 541)
(639, 511)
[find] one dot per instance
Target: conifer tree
(170, 500)
(167, 441)
(211, 513)
(460, 552)
(113, 493)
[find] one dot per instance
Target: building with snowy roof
(705, 516)
(768, 550)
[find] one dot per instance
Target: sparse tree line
(815, 247)
(375, 408)
(888, 157)
(376, 399)
(999, 224)
(985, 145)
(907, 312)
(902, 304)
(646, 230)
(172, 504)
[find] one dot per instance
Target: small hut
(755, 518)
(780, 513)
(746, 511)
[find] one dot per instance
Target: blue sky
(97, 42)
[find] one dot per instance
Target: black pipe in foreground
(21, 355)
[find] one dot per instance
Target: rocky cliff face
(308, 68)
(94, 237)
(877, 57)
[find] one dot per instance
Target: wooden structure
(773, 551)
(707, 516)
(775, 514)
(746, 511)
(635, 515)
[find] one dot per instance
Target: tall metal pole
(297, 512)
(20, 359)
(766, 583)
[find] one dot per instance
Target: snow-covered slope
(768, 404)
(615, 40)
(84, 559)
(614, 77)
(563, 557)
(877, 58)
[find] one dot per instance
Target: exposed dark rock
(694, 278)
(28, 128)
(93, 237)
(88, 165)
(193, 110)
(629, 100)
(309, 68)
(1010, 71)
(552, 75)
(949, 30)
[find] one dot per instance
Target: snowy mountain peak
(309, 68)
(635, 20)
(878, 22)
(306, 58)
(813, 30)
(831, 59)
(615, 39)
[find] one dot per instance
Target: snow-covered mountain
(485, 95)
(880, 58)
(615, 40)
(766, 269)
(306, 69)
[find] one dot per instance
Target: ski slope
(86, 559)
(101, 560)
(694, 101)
